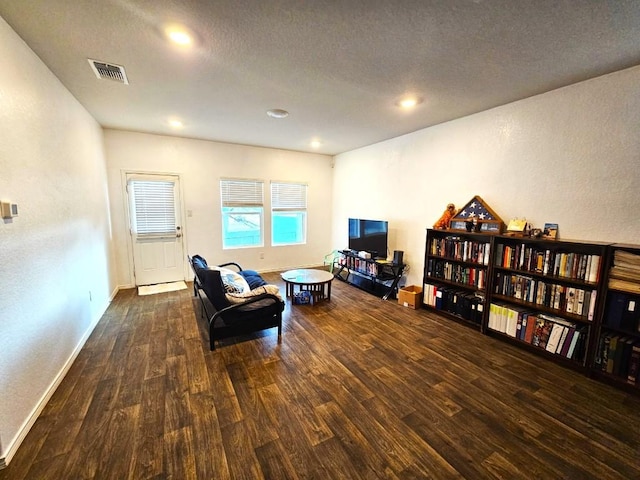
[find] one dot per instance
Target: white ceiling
(338, 67)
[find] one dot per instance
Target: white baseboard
(35, 413)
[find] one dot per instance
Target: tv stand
(377, 276)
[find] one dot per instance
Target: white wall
(58, 249)
(570, 156)
(200, 165)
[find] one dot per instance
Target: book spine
(574, 341)
(563, 338)
(594, 271)
(592, 306)
(564, 351)
(634, 365)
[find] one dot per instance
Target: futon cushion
(243, 297)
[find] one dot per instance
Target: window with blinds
(242, 213)
(288, 213)
(152, 207)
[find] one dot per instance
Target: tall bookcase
(456, 272)
(545, 296)
(573, 302)
(617, 351)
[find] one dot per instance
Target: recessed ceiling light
(315, 143)
(409, 102)
(175, 123)
(277, 113)
(179, 35)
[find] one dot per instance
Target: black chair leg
(212, 341)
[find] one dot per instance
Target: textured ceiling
(338, 67)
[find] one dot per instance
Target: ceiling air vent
(108, 71)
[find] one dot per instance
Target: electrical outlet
(261, 255)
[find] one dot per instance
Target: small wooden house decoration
(477, 216)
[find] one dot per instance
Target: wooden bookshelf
(545, 296)
(617, 350)
(456, 272)
(573, 302)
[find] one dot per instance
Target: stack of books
(625, 272)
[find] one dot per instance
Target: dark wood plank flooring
(356, 388)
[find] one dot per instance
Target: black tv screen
(369, 236)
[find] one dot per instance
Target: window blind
(288, 196)
(241, 193)
(153, 207)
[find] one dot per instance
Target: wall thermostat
(8, 210)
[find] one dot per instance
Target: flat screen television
(369, 236)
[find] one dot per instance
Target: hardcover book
(613, 345)
(604, 353)
(634, 364)
(568, 341)
(532, 320)
(546, 333)
(630, 315)
(574, 343)
(554, 337)
(615, 307)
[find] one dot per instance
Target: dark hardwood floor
(356, 388)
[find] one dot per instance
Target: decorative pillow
(199, 262)
(242, 297)
(233, 281)
(253, 278)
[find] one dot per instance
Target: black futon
(248, 312)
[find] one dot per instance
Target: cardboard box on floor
(410, 296)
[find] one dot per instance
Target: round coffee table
(316, 282)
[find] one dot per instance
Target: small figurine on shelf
(535, 233)
(445, 220)
(471, 224)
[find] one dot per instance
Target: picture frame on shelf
(550, 231)
(517, 227)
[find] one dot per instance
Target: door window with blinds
(288, 213)
(242, 213)
(153, 212)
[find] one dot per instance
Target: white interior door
(155, 226)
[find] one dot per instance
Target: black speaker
(397, 257)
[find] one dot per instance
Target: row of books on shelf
(359, 264)
(623, 312)
(455, 272)
(464, 304)
(461, 249)
(625, 272)
(553, 334)
(619, 355)
(576, 266)
(573, 300)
